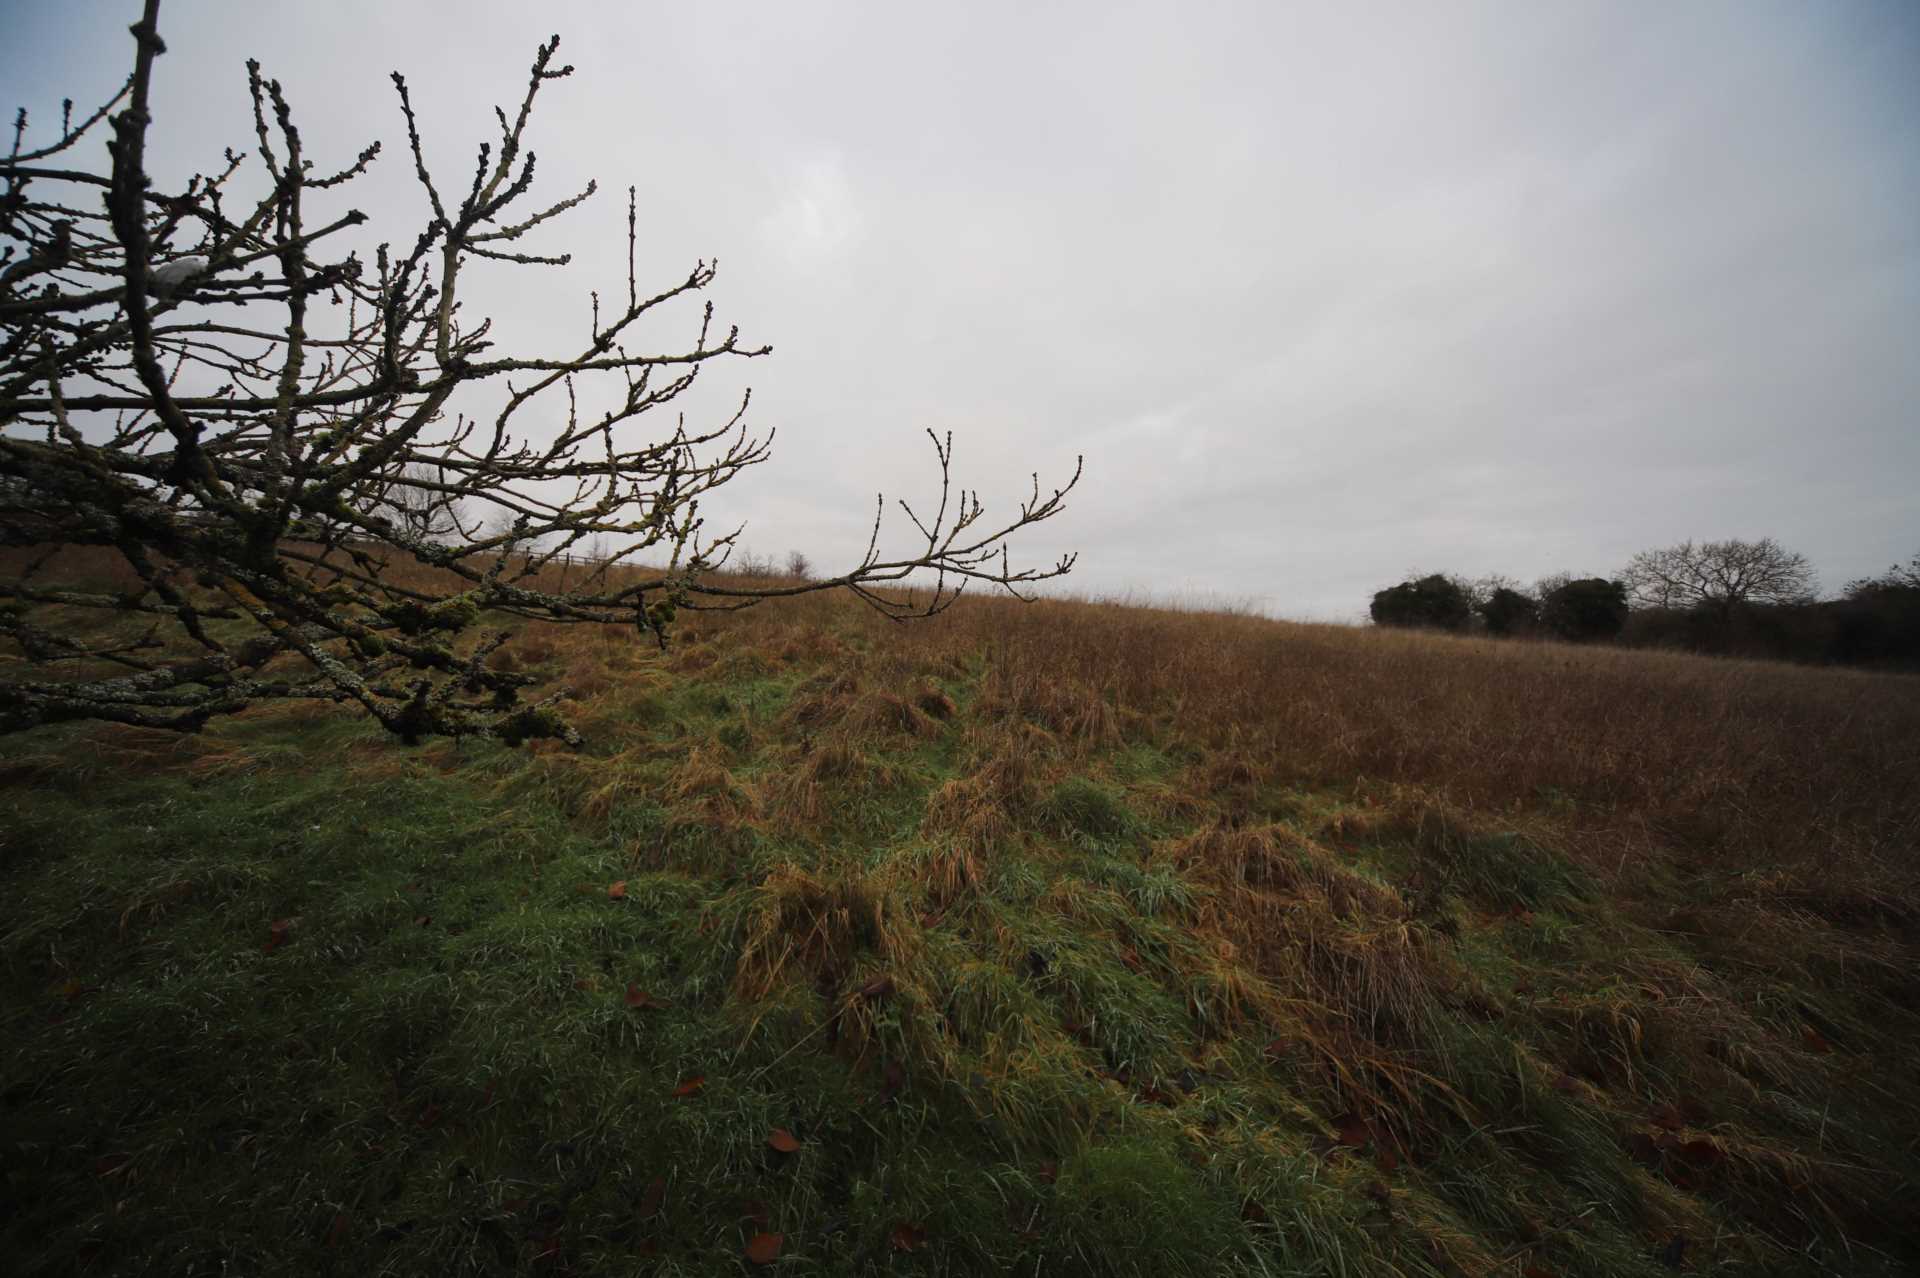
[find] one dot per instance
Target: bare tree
(204, 382)
(1718, 576)
(418, 501)
(1899, 577)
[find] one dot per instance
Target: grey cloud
(1324, 292)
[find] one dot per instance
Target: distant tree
(1878, 619)
(1435, 601)
(1584, 608)
(799, 567)
(1899, 577)
(1718, 577)
(1508, 611)
(419, 501)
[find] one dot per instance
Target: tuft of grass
(1081, 808)
(1131, 1203)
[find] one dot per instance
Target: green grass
(295, 999)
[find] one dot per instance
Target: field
(1063, 938)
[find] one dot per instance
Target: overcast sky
(1324, 293)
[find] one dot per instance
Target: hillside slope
(1067, 939)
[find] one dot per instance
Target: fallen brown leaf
(637, 997)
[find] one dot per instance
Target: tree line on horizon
(1732, 598)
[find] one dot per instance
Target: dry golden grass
(1077, 836)
(1718, 757)
(1721, 757)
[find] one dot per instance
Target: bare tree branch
(1719, 576)
(351, 491)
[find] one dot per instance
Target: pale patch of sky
(1323, 292)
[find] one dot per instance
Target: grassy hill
(1069, 938)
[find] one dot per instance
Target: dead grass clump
(1231, 772)
(843, 700)
(1166, 804)
(1010, 762)
(691, 657)
(704, 783)
(43, 769)
(536, 644)
(1071, 708)
(950, 873)
(1083, 810)
(1501, 869)
(934, 703)
(990, 1011)
(798, 923)
(743, 662)
(1223, 993)
(1607, 1038)
(880, 713)
(131, 751)
(587, 676)
(610, 783)
(1332, 958)
(803, 791)
(1799, 1198)
(1866, 896)
(823, 701)
(966, 817)
(1383, 980)
(1278, 858)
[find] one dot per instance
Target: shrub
(1433, 601)
(1585, 608)
(1508, 612)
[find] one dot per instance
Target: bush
(1433, 601)
(1585, 608)
(1879, 619)
(1508, 612)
